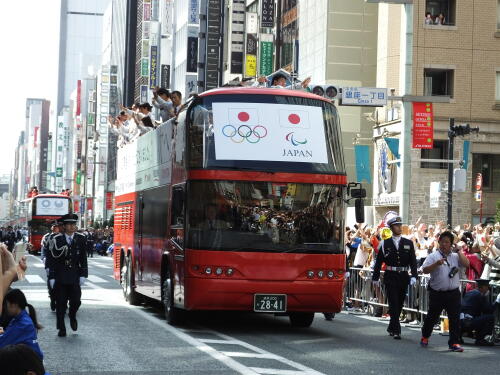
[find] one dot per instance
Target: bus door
(176, 242)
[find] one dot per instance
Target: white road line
(212, 341)
(229, 362)
(34, 279)
(103, 266)
(96, 279)
(250, 355)
(312, 341)
(274, 371)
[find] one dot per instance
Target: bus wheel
(301, 319)
(127, 280)
(172, 314)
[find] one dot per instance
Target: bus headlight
(229, 271)
(330, 274)
(208, 270)
(218, 271)
(320, 274)
(310, 274)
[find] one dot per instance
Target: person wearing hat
(398, 254)
(67, 264)
(56, 227)
(477, 312)
(443, 266)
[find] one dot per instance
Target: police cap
(394, 220)
(69, 218)
(482, 282)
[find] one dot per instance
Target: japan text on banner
(362, 156)
(269, 132)
(423, 125)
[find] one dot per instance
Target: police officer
(57, 227)
(67, 264)
(398, 254)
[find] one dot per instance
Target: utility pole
(454, 131)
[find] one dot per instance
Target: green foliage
(497, 217)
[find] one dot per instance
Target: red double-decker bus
(238, 204)
(43, 210)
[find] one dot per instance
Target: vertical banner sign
(144, 93)
(423, 125)
(76, 206)
(237, 36)
(153, 68)
(435, 194)
(479, 187)
(90, 206)
(109, 200)
(213, 45)
(78, 97)
(165, 76)
(192, 55)
(146, 15)
(266, 54)
(251, 56)
(267, 13)
(193, 16)
(144, 68)
(466, 154)
(362, 156)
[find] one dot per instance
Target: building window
(438, 82)
(442, 12)
(439, 152)
(497, 95)
(489, 166)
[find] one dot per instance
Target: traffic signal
(327, 91)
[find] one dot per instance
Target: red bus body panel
(267, 273)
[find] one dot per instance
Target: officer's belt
(397, 269)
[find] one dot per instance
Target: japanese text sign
(364, 96)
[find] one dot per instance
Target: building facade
(458, 61)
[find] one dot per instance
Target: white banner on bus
(269, 132)
(52, 206)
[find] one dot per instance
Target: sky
(29, 64)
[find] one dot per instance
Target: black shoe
(328, 316)
(73, 323)
(397, 336)
(53, 304)
(62, 332)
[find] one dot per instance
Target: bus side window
(177, 216)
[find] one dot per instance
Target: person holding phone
(444, 293)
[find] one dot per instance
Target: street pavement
(116, 338)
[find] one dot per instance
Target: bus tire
(172, 314)
(127, 280)
(301, 319)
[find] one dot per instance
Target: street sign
(423, 125)
(479, 181)
(59, 172)
(364, 96)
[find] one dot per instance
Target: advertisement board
(51, 206)
(423, 125)
(269, 132)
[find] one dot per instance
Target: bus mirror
(359, 209)
(358, 193)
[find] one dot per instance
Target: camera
(453, 272)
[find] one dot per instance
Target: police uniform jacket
(475, 304)
(403, 256)
(67, 263)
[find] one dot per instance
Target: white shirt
(396, 240)
(439, 277)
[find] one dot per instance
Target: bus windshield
(265, 133)
(39, 227)
(265, 216)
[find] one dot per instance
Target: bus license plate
(269, 303)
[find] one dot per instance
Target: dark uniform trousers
(444, 300)
(66, 268)
(44, 250)
(396, 282)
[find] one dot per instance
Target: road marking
(103, 266)
(228, 358)
(34, 279)
(312, 341)
(96, 279)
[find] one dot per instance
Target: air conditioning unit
(330, 92)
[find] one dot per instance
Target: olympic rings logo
(244, 132)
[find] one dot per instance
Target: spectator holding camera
(444, 293)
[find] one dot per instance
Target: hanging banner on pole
(267, 13)
(362, 156)
(266, 54)
(423, 125)
(435, 194)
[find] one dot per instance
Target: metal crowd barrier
(369, 297)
